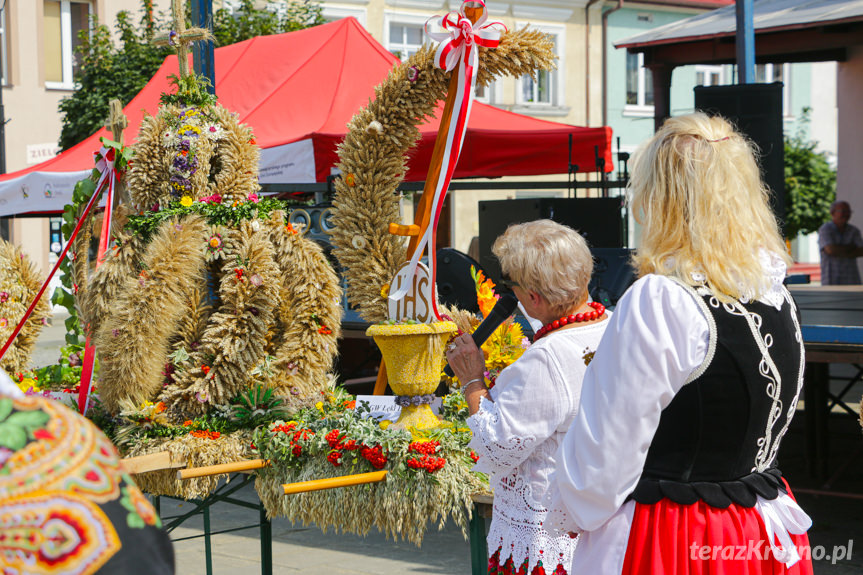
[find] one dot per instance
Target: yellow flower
(186, 201)
(385, 423)
(320, 405)
(385, 290)
(27, 383)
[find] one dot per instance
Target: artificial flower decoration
(351, 180)
(254, 198)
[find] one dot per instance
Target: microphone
(504, 308)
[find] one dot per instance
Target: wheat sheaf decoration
(207, 291)
(20, 281)
(373, 159)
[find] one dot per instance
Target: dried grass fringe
(194, 452)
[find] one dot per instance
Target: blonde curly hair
(696, 189)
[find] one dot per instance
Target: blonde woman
(519, 423)
(670, 465)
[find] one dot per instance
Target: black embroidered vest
(717, 440)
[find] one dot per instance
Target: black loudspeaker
(756, 110)
(455, 286)
(612, 275)
(599, 220)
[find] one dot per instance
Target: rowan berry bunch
(426, 460)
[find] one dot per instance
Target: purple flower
(74, 359)
(413, 74)
(256, 280)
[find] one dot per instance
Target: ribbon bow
(458, 43)
(460, 35)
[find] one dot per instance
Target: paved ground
(307, 550)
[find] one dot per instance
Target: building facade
(38, 40)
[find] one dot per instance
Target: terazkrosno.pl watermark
(759, 551)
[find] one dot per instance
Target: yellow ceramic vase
(414, 357)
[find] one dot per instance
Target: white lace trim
(519, 532)
(496, 454)
(774, 271)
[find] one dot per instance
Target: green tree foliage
(107, 71)
(810, 183)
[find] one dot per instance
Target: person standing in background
(840, 245)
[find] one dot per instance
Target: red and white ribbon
(105, 165)
(457, 44)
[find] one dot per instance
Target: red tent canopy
(298, 91)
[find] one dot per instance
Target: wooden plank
(150, 462)
(332, 482)
(232, 467)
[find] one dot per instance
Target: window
(489, 94)
(405, 39)
(546, 88)
(709, 75)
(332, 14)
(769, 73)
(62, 23)
(4, 71)
(639, 83)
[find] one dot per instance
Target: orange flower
(349, 404)
(160, 407)
(351, 180)
(485, 295)
(324, 330)
(205, 369)
(290, 229)
(188, 423)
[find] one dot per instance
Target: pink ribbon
(457, 43)
(105, 164)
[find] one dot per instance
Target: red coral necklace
(598, 310)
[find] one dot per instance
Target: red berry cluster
(335, 441)
(427, 460)
(375, 455)
(297, 435)
(474, 456)
(424, 447)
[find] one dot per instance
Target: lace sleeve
(530, 401)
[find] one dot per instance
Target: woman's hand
(468, 363)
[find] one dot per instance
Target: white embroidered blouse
(516, 436)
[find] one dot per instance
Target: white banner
(292, 163)
(39, 192)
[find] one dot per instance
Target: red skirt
(670, 538)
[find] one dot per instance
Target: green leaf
(72, 339)
(6, 406)
(28, 419)
(12, 437)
